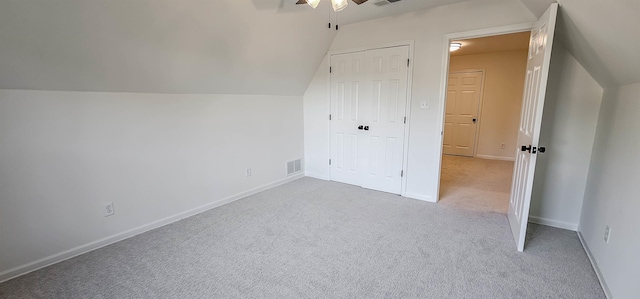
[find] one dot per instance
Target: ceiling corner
(537, 7)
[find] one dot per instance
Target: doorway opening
(481, 117)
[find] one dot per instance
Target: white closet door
(384, 115)
(347, 88)
(368, 106)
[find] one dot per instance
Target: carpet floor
(475, 184)
(318, 239)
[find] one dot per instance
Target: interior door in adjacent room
(461, 113)
(540, 47)
(368, 117)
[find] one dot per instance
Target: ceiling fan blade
(354, 1)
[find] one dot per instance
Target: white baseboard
(554, 223)
(419, 197)
(604, 285)
(317, 176)
(73, 252)
(488, 157)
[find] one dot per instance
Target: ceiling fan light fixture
(313, 3)
(339, 5)
(455, 47)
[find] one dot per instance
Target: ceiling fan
(337, 5)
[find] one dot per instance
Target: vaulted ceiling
(171, 46)
(241, 46)
(159, 46)
(602, 35)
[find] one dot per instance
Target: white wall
(568, 131)
(499, 118)
(316, 129)
(64, 154)
(611, 196)
(427, 28)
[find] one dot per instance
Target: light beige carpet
(475, 184)
(317, 239)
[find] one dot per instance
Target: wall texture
(611, 197)
(568, 132)
(316, 130)
(499, 117)
(64, 154)
(427, 28)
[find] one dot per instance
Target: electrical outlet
(248, 172)
(108, 209)
(607, 234)
(502, 145)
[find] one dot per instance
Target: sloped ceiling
(171, 46)
(160, 46)
(602, 35)
(241, 46)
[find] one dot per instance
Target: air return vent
(385, 2)
(294, 166)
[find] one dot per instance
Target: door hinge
(329, 161)
(329, 116)
(401, 173)
(330, 70)
(405, 119)
(408, 62)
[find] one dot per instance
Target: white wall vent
(385, 2)
(294, 166)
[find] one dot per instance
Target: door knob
(542, 149)
(366, 128)
(526, 148)
(474, 120)
(360, 127)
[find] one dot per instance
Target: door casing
(444, 76)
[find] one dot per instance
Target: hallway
(475, 184)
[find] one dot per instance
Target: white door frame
(405, 160)
(444, 77)
(480, 102)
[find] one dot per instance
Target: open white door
(540, 46)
